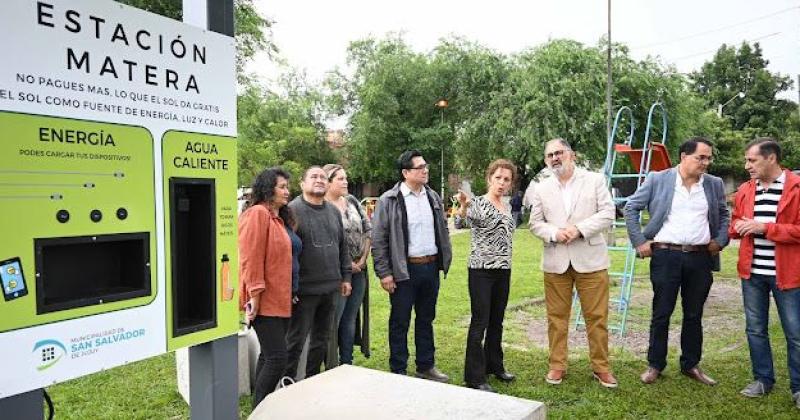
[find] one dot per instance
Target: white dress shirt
(566, 197)
(421, 230)
(687, 222)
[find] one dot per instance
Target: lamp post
(442, 104)
(720, 106)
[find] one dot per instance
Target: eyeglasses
(422, 167)
(703, 158)
(557, 153)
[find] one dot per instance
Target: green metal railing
(621, 282)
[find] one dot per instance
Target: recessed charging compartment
(193, 248)
(73, 272)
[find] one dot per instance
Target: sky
(314, 35)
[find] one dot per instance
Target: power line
(789, 9)
(714, 50)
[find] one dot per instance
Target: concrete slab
(355, 392)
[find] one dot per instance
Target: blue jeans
(420, 292)
(346, 313)
(756, 309)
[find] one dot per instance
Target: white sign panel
(101, 61)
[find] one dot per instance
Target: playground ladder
(651, 156)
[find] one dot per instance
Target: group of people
(302, 266)
(689, 224)
(300, 261)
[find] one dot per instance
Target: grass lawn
(147, 389)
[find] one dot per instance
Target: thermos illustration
(224, 274)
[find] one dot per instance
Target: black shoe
(482, 387)
(433, 374)
(505, 376)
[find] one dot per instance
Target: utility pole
(798, 93)
(608, 72)
(442, 104)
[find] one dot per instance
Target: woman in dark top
(489, 275)
(297, 248)
(266, 273)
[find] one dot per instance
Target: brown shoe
(606, 379)
(698, 375)
(555, 376)
(650, 375)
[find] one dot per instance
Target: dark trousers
(271, 333)
(671, 272)
(420, 292)
(314, 314)
(488, 294)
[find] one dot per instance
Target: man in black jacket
(410, 245)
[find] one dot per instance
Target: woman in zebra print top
(489, 275)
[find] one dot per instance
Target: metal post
(213, 372)
(608, 71)
(216, 15)
(441, 159)
(441, 104)
(214, 379)
(720, 106)
(27, 405)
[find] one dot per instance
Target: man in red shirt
(766, 217)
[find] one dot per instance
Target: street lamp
(442, 104)
(720, 106)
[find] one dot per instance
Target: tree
(283, 130)
(392, 98)
(744, 69)
(558, 90)
(392, 95)
(498, 106)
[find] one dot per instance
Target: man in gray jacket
(687, 229)
(410, 245)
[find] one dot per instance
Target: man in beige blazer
(570, 212)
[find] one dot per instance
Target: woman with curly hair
(267, 245)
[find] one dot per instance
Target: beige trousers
(593, 294)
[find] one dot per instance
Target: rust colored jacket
(265, 262)
(785, 232)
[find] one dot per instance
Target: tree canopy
(499, 106)
(759, 113)
(744, 69)
(280, 129)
